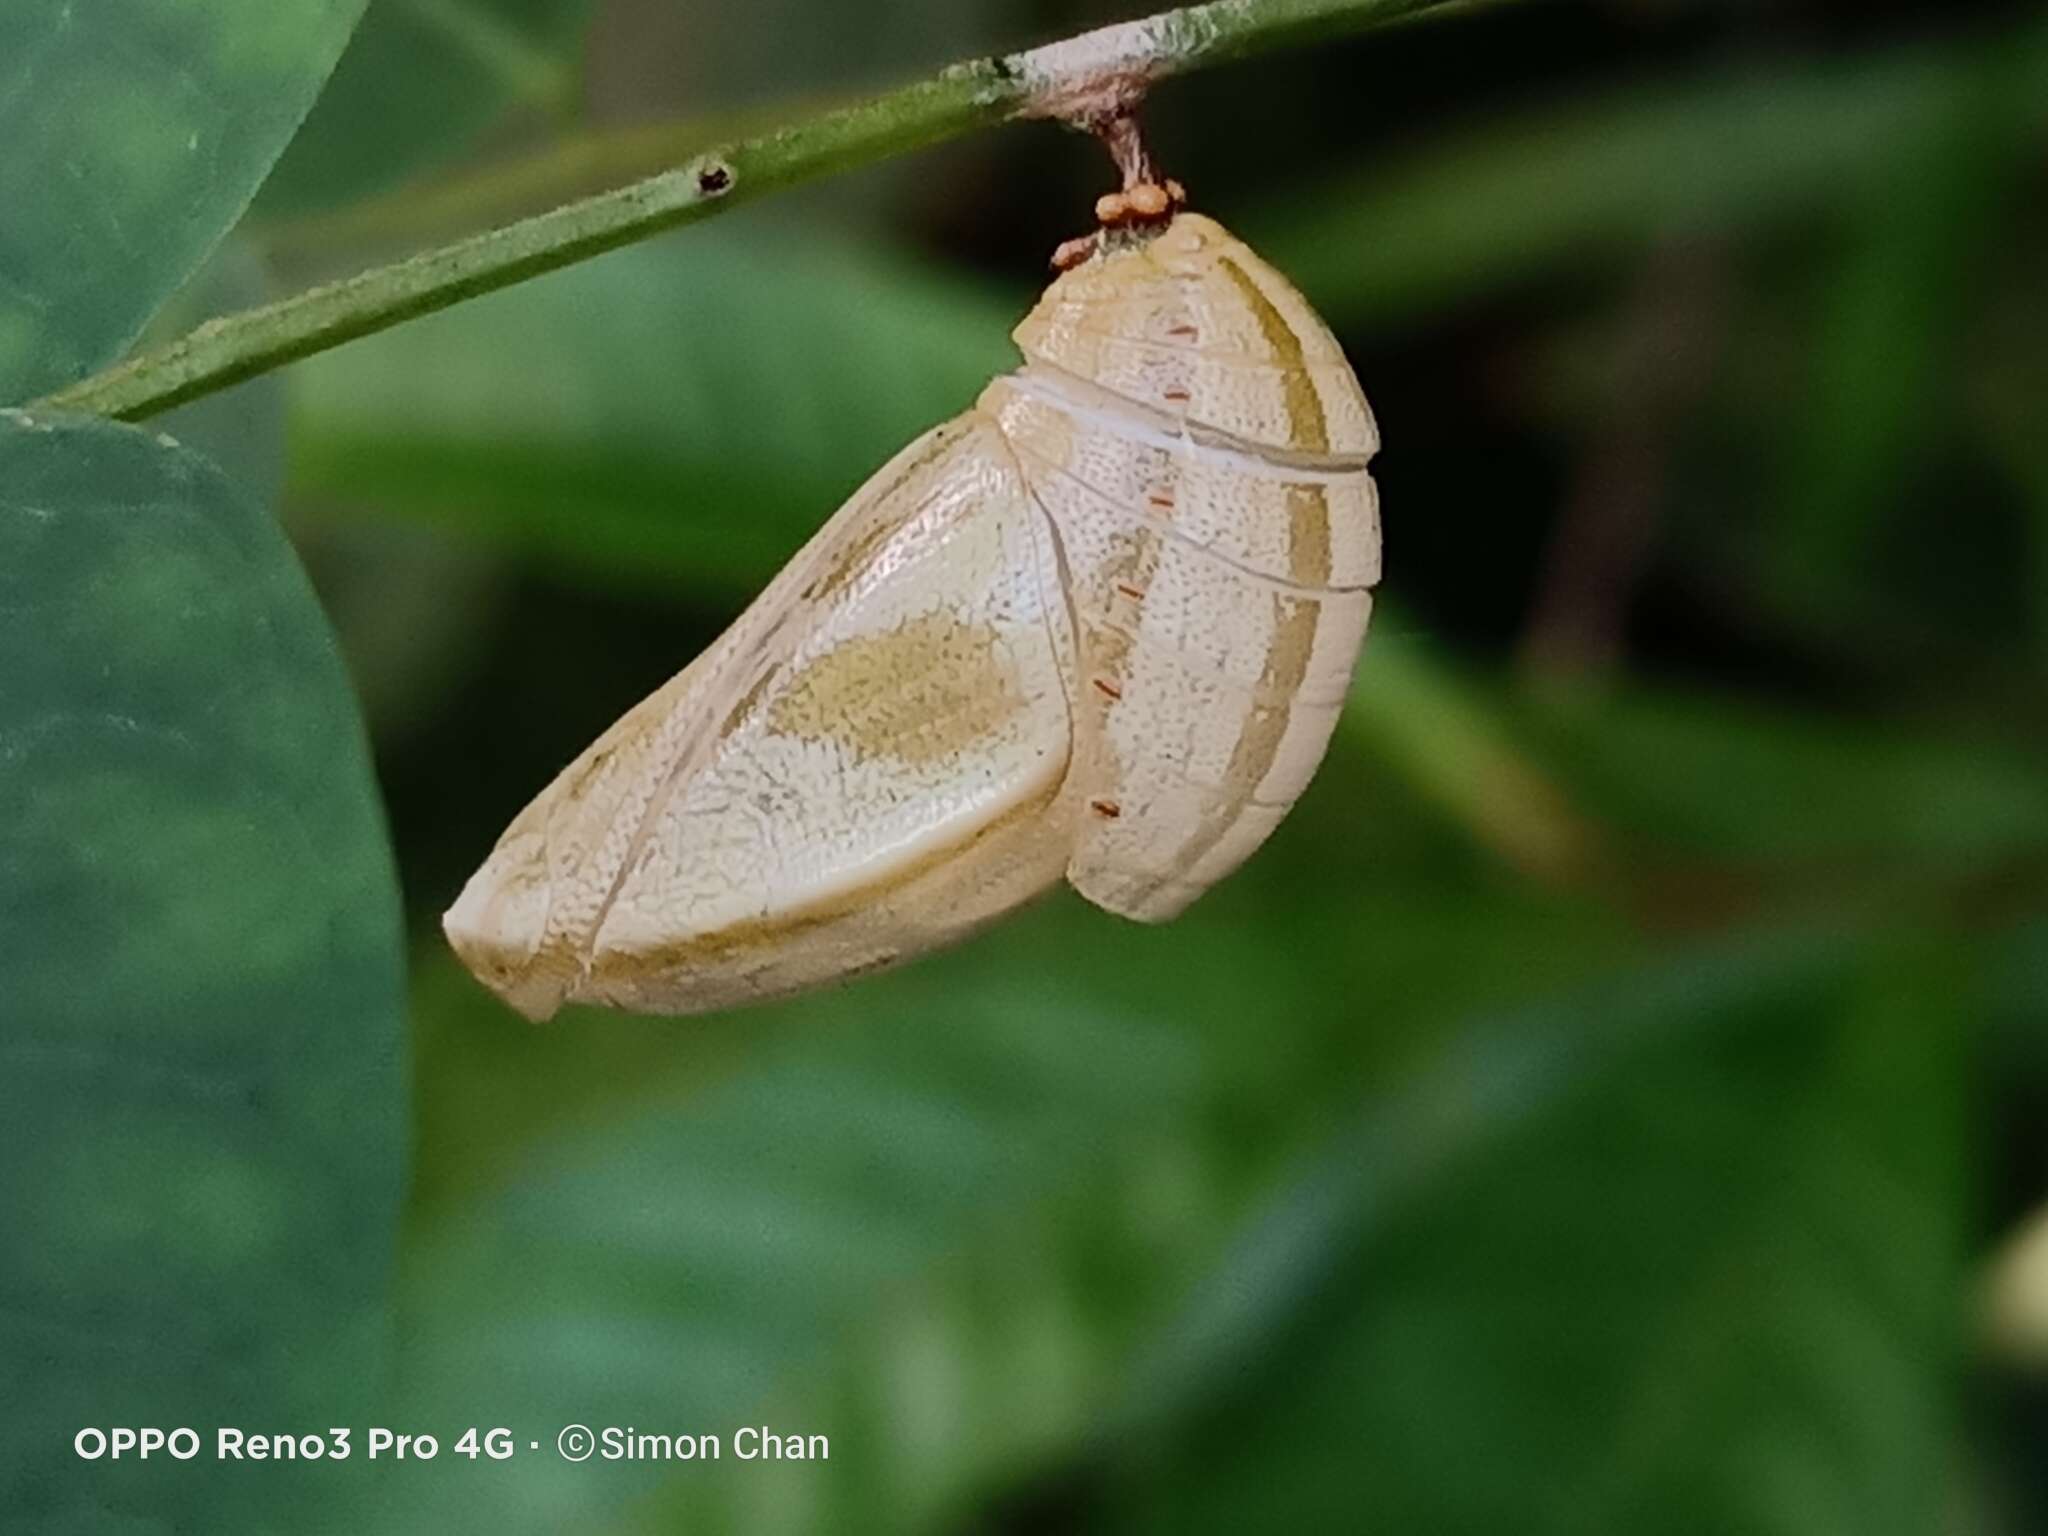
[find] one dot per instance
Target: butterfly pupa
(1097, 627)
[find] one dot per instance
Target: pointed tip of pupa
(502, 954)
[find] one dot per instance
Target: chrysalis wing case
(1098, 626)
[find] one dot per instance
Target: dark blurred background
(1614, 1100)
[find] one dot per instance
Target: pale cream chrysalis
(1099, 627)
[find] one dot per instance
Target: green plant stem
(1078, 79)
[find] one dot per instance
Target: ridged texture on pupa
(1100, 625)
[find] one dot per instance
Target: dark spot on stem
(714, 178)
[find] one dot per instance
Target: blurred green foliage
(136, 132)
(1594, 1111)
(420, 82)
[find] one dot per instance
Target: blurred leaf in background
(1469, 1314)
(420, 83)
(674, 412)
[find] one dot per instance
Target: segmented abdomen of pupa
(1200, 442)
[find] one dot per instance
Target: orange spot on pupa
(1147, 200)
(1072, 253)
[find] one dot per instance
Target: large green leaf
(1679, 1255)
(136, 132)
(202, 1099)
